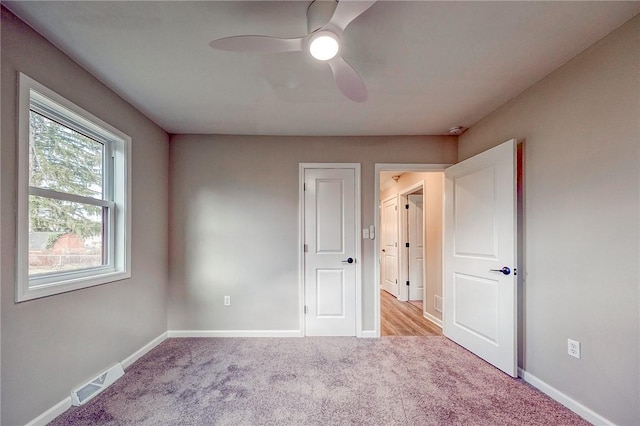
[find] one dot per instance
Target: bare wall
(234, 222)
(53, 344)
(581, 129)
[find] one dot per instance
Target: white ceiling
(428, 65)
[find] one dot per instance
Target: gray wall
(53, 344)
(234, 222)
(581, 128)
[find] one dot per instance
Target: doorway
(480, 267)
(414, 307)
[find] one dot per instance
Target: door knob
(349, 260)
(505, 270)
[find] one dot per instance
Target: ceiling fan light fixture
(324, 45)
(326, 21)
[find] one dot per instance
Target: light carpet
(317, 381)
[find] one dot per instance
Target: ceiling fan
(326, 21)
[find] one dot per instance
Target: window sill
(69, 284)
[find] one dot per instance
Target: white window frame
(116, 181)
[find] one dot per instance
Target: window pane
(64, 160)
(64, 235)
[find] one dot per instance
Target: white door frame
(381, 167)
(358, 255)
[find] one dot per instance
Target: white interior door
(330, 252)
(480, 240)
(415, 222)
(389, 264)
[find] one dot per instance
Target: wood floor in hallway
(403, 318)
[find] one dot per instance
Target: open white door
(480, 256)
(389, 265)
(331, 252)
(415, 221)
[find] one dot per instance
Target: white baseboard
(249, 333)
(235, 333)
(433, 319)
(51, 413)
(573, 405)
(65, 404)
(143, 350)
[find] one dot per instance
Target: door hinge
(396, 281)
(406, 206)
(306, 248)
(407, 282)
(406, 245)
(396, 244)
(304, 186)
(305, 309)
(395, 207)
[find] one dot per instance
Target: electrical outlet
(227, 301)
(573, 348)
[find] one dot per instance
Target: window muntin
(73, 196)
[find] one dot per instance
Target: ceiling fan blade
(348, 80)
(258, 44)
(348, 10)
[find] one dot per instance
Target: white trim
(573, 405)
(126, 363)
(432, 318)
(53, 412)
(234, 333)
(358, 225)
(76, 281)
(380, 167)
(369, 334)
(119, 268)
(301, 318)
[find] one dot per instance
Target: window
(73, 196)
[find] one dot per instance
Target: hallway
(403, 318)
